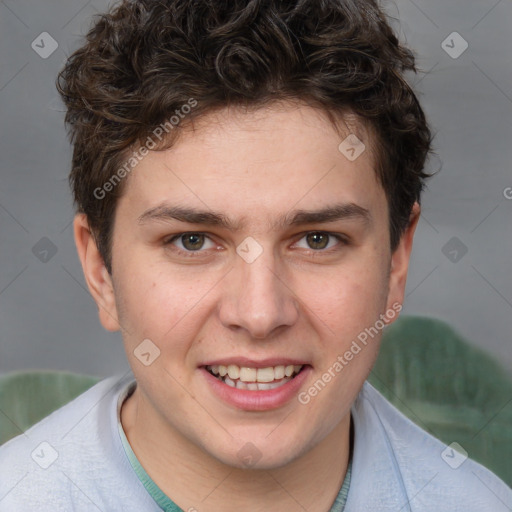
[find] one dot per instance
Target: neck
(195, 480)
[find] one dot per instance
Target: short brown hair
(144, 59)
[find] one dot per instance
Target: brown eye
(317, 240)
(190, 244)
(192, 241)
(322, 242)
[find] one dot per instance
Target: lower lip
(257, 400)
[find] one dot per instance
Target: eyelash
(194, 254)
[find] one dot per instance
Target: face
(253, 246)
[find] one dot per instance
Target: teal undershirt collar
(163, 501)
(167, 505)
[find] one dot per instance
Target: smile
(254, 379)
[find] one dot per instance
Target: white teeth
(278, 372)
(241, 385)
(248, 374)
(255, 386)
(273, 385)
(254, 379)
(264, 386)
(265, 374)
(229, 382)
(233, 371)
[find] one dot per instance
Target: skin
(295, 300)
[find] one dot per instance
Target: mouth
(255, 379)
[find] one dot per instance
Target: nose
(257, 298)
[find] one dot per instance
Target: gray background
(49, 320)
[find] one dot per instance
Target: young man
(248, 177)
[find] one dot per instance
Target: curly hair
(144, 59)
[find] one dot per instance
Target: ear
(400, 261)
(96, 275)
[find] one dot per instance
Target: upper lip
(252, 363)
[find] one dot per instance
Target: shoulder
(422, 469)
(71, 456)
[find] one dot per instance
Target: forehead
(291, 119)
(271, 159)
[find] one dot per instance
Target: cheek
(161, 305)
(348, 298)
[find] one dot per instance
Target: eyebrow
(343, 211)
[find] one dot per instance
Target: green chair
(450, 388)
(428, 371)
(27, 397)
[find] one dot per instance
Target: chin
(257, 455)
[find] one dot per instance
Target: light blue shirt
(167, 505)
(74, 460)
